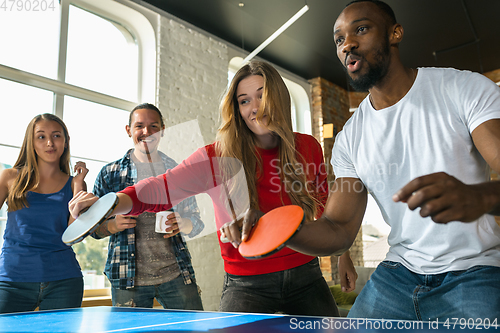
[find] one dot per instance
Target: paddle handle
(233, 212)
(84, 210)
(224, 239)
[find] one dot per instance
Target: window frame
(129, 19)
(122, 16)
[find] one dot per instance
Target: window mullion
(63, 41)
(63, 88)
(58, 105)
(63, 50)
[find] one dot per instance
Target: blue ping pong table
(114, 319)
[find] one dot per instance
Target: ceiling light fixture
(275, 34)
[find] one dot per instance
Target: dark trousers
(297, 291)
(171, 295)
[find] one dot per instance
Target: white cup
(161, 218)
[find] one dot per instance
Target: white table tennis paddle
(90, 220)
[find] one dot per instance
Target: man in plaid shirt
(142, 264)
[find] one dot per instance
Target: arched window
(301, 113)
(87, 61)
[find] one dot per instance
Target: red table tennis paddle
(271, 232)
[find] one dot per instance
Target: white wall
(191, 78)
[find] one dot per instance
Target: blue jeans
(27, 296)
(394, 292)
(171, 295)
(298, 291)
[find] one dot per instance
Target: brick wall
(330, 105)
(191, 77)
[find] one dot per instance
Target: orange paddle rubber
(271, 232)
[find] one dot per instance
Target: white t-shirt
(428, 130)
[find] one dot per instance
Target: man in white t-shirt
(422, 144)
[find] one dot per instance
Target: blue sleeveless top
(33, 250)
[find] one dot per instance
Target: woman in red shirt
(280, 167)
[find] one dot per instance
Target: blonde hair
(27, 164)
(236, 140)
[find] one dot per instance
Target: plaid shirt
(120, 265)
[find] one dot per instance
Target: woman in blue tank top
(36, 268)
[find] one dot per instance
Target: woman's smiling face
(249, 96)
